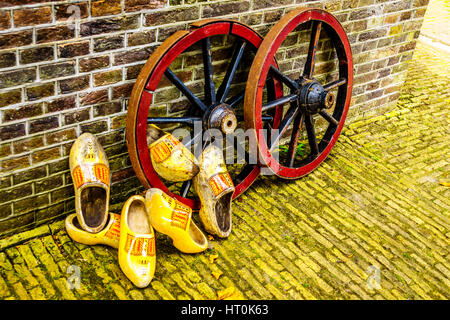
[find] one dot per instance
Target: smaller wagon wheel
(196, 80)
(290, 151)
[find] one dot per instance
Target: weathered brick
(36, 54)
(100, 26)
(30, 204)
(29, 17)
(133, 71)
(105, 7)
(107, 77)
(89, 64)
(372, 34)
(40, 91)
(16, 163)
(107, 108)
(44, 124)
(16, 193)
(77, 116)
(271, 3)
(17, 77)
(131, 56)
(94, 97)
(28, 144)
(139, 38)
(74, 84)
(69, 50)
(95, 127)
(363, 13)
(12, 131)
(57, 70)
(5, 20)
(64, 11)
(123, 90)
(16, 39)
(45, 155)
(61, 136)
(397, 6)
(7, 59)
(60, 104)
(108, 43)
(10, 97)
(138, 5)
(48, 184)
(170, 16)
(29, 175)
(22, 112)
(53, 34)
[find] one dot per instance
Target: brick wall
(61, 76)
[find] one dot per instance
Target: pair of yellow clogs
(214, 186)
(131, 232)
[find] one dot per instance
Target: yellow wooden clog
(137, 252)
(109, 236)
(89, 168)
(215, 189)
(173, 218)
(170, 158)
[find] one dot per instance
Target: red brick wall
(61, 76)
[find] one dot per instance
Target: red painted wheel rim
(266, 52)
(146, 84)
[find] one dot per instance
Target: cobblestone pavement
(376, 209)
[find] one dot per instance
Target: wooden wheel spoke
(313, 43)
(287, 120)
(210, 91)
(188, 93)
(283, 78)
(328, 117)
(309, 125)
(232, 67)
(235, 100)
(263, 118)
(185, 120)
(335, 84)
(278, 102)
(296, 129)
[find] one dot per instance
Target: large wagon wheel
(305, 98)
(205, 105)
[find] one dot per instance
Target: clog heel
(171, 217)
(215, 189)
(170, 158)
(137, 252)
(89, 169)
(109, 236)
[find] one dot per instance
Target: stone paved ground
(379, 202)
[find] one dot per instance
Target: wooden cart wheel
(291, 152)
(167, 75)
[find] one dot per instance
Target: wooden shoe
(215, 189)
(109, 236)
(137, 252)
(173, 218)
(89, 168)
(170, 158)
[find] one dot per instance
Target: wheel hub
(313, 97)
(220, 117)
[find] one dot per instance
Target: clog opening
(137, 219)
(196, 234)
(223, 212)
(93, 206)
